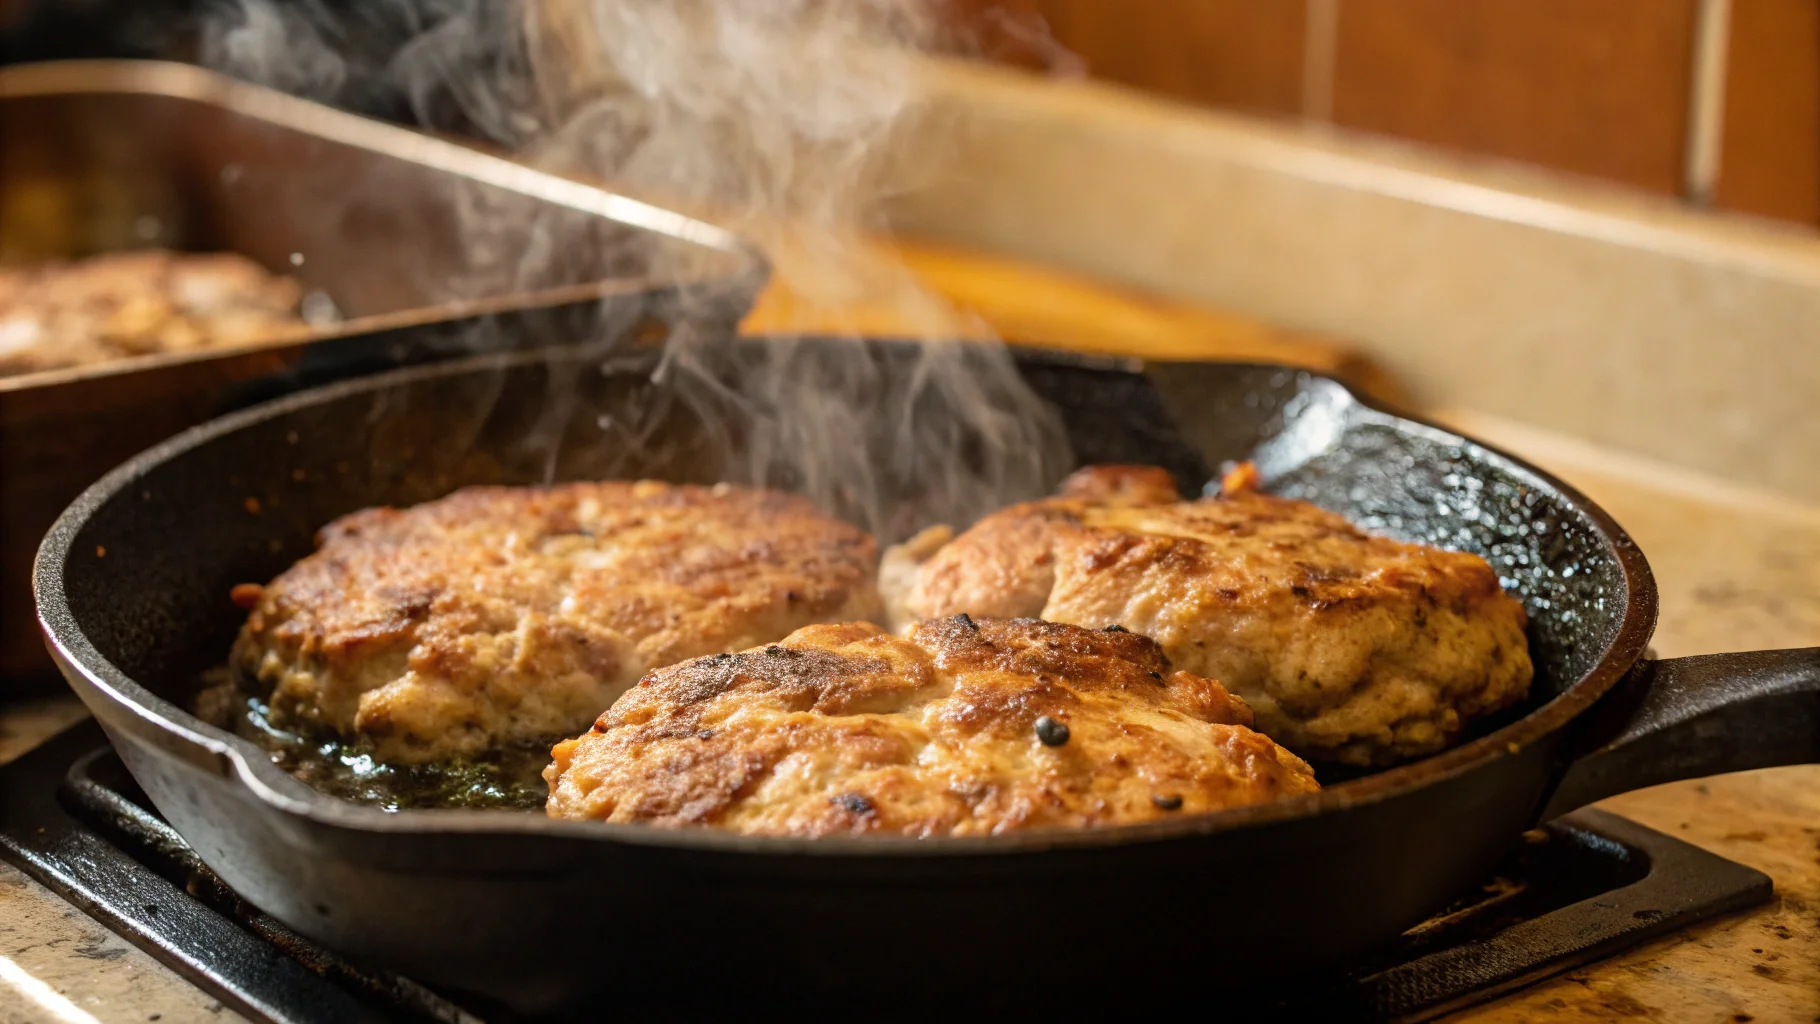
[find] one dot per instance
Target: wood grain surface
(978, 296)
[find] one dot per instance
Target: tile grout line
(1706, 101)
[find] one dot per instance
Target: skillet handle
(1701, 716)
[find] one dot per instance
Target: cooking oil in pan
(508, 779)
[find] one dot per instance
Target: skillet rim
(240, 760)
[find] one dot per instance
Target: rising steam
(789, 121)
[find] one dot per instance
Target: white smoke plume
(790, 121)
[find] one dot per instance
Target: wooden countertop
(1737, 570)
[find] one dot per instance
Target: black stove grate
(1584, 888)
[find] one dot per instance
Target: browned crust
(500, 615)
(1349, 646)
(850, 729)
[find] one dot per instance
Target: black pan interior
(148, 576)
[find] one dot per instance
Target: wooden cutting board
(983, 296)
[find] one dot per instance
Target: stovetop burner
(1584, 888)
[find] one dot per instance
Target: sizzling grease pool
(508, 779)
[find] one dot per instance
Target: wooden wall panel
(1770, 162)
(1597, 87)
(1240, 54)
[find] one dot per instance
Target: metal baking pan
(425, 248)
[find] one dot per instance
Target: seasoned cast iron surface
(161, 613)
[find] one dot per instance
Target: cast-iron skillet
(132, 587)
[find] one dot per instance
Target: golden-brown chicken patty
(962, 727)
(1349, 647)
(504, 615)
(120, 305)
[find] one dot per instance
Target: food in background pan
(122, 305)
(961, 727)
(1349, 647)
(508, 616)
